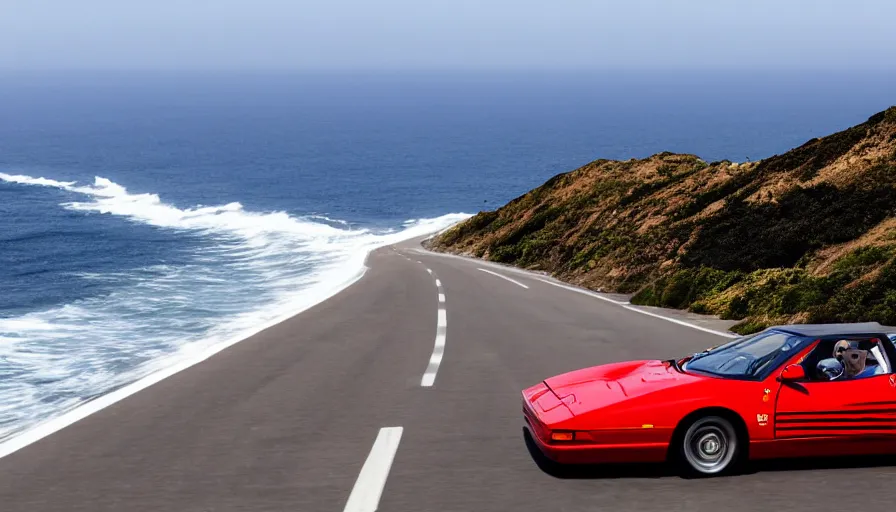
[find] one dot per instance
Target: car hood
(603, 386)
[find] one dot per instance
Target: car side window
(846, 359)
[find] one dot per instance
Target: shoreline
(181, 361)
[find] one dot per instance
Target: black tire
(708, 446)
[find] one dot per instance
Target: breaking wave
(252, 270)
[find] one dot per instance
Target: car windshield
(746, 357)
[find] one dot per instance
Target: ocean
(145, 217)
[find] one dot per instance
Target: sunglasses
(852, 356)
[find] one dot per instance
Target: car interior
(858, 357)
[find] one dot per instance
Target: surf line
(438, 350)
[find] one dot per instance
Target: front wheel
(709, 446)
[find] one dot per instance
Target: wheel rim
(710, 444)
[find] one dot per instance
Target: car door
(856, 408)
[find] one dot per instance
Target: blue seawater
(145, 217)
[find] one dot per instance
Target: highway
(401, 393)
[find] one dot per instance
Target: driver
(852, 358)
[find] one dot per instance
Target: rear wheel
(709, 446)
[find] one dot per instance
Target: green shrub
(504, 254)
(749, 327)
(681, 289)
(736, 309)
(699, 307)
(646, 296)
(666, 170)
(582, 257)
(746, 237)
(863, 257)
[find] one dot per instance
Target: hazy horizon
(460, 36)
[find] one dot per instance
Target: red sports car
(788, 391)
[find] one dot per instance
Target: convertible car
(788, 391)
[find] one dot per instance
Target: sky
(339, 35)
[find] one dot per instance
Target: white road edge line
(628, 306)
(368, 489)
(519, 271)
(514, 281)
(579, 290)
(438, 349)
(42, 430)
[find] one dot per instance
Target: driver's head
(851, 356)
(840, 348)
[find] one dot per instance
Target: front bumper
(611, 451)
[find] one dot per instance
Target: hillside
(807, 236)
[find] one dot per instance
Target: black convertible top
(833, 329)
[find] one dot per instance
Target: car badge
(765, 396)
(762, 419)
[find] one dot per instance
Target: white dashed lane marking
(626, 305)
(438, 350)
(368, 489)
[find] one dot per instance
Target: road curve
(327, 412)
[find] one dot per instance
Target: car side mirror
(830, 369)
(793, 372)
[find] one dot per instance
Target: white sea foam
(252, 270)
(28, 180)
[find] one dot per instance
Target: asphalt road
(287, 420)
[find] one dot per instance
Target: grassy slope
(809, 235)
